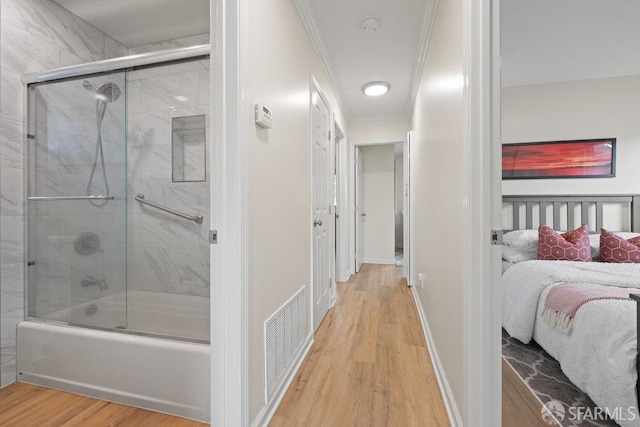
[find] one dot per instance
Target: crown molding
(309, 22)
(421, 54)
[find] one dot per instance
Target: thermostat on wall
(263, 116)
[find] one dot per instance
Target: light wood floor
(519, 406)
(26, 405)
(369, 364)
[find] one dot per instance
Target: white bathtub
(159, 374)
(171, 315)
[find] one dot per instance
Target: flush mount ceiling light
(376, 88)
(370, 24)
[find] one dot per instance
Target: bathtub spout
(91, 281)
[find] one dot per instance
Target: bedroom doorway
(569, 106)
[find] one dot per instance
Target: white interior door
(322, 191)
(406, 232)
(360, 214)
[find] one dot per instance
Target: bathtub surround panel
(34, 35)
(166, 253)
(143, 380)
(197, 39)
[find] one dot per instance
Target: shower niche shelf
(188, 148)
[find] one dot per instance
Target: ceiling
(353, 56)
(542, 41)
(350, 55)
(137, 22)
(547, 41)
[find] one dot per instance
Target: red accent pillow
(616, 249)
(570, 246)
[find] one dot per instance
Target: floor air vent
(285, 332)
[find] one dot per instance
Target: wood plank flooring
(26, 405)
(519, 406)
(369, 364)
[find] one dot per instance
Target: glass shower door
(77, 247)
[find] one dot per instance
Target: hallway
(369, 364)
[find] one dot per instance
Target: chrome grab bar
(195, 217)
(52, 198)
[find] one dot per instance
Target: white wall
(378, 201)
(279, 174)
(587, 109)
(438, 193)
(372, 132)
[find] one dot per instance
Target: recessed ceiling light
(376, 88)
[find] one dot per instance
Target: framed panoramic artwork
(588, 158)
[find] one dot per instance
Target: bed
(600, 353)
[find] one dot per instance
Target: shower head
(110, 91)
(90, 86)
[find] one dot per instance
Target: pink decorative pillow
(616, 249)
(570, 246)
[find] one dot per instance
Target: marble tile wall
(194, 40)
(166, 253)
(36, 35)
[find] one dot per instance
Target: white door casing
(359, 208)
(322, 200)
(406, 238)
(342, 216)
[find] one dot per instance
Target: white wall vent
(284, 334)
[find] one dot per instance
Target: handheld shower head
(90, 86)
(110, 91)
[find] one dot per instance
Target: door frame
(341, 267)
(406, 198)
(315, 86)
(352, 191)
(228, 206)
(482, 390)
(482, 295)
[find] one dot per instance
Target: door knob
(364, 214)
(317, 222)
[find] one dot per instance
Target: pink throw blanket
(564, 299)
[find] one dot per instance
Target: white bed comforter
(599, 355)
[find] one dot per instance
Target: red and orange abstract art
(594, 158)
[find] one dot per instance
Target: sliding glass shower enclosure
(118, 195)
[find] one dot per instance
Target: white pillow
(525, 240)
(511, 254)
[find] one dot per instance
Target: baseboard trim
(343, 278)
(447, 396)
(378, 261)
(268, 411)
